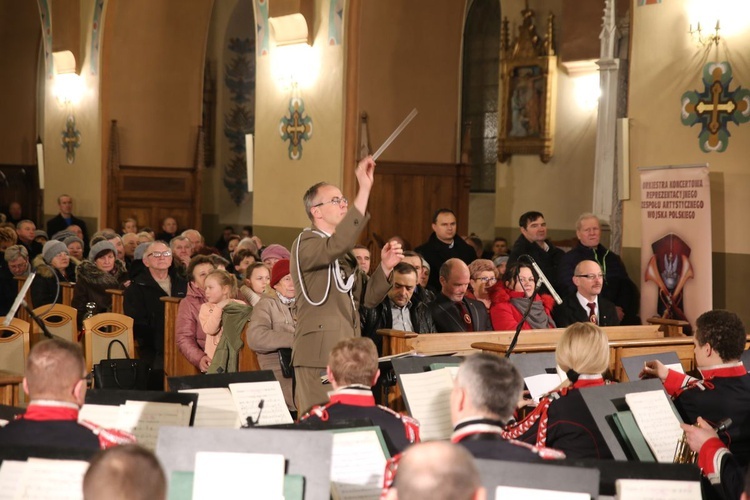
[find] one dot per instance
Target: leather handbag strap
(109, 349)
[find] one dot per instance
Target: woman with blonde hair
(562, 420)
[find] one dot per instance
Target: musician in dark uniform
(353, 370)
(724, 391)
(562, 420)
(484, 396)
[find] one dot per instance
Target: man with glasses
(618, 287)
(143, 303)
(329, 287)
(55, 382)
(586, 304)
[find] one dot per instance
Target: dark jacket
(143, 304)
(570, 311)
(618, 287)
(57, 224)
(375, 318)
(548, 261)
(44, 288)
(483, 438)
(435, 252)
(48, 433)
(92, 284)
(8, 288)
(446, 317)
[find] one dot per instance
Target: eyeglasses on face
(166, 253)
(486, 279)
(333, 201)
(590, 276)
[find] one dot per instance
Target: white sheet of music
(63, 480)
(428, 394)
(357, 465)
(237, 476)
(144, 419)
(216, 408)
(248, 395)
(10, 473)
(516, 493)
(657, 422)
(651, 489)
(542, 384)
(105, 416)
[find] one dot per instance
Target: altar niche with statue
(529, 76)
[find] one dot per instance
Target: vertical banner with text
(676, 242)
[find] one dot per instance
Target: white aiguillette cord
(395, 133)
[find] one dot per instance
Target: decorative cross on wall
(71, 139)
(715, 107)
(295, 128)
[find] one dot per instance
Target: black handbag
(285, 359)
(120, 373)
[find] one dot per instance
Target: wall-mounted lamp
(68, 86)
(699, 37)
(293, 61)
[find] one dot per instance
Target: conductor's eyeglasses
(333, 201)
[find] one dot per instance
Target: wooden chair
(14, 349)
(118, 300)
(101, 329)
(61, 320)
(66, 288)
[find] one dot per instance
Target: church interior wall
(666, 62)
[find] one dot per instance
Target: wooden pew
(118, 300)
(397, 342)
(177, 365)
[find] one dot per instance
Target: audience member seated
(499, 247)
(352, 370)
(40, 237)
(724, 392)
(617, 286)
(421, 293)
(272, 326)
(94, 276)
(75, 246)
(443, 244)
(436, 471)
(168, 230)
(143, 304)
(189, 334)
(533, 242)
(399, 310)
(231, 247)
(425, 278)
(257, 278)
(129, 226)
(451, 310)
(363, 258)
(130, 243)
(112, 237)
(562, 420)
(145, 236)
(475, 242)
(274, 253)
(25, 231)
(65, 218)
(483, 275)
(16, 263)
(55, 382)
(196, 239)
(8, 238)
(53, 266)
(223, 241)
(241, 261)
(127, 472)
(586, 304)
(15, 213)
(182, 251)
(511, 298)
(485, 394)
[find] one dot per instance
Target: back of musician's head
(354, 361)
(583, 347)
(53, 368)
(437, 471)
(127, 472)
(492, 384)
(724, 331)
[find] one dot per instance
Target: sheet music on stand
(62, 479)
(427, 396)
(357, 463)
(657, 422)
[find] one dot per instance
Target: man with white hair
(196, 239)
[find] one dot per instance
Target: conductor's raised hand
(365, 172)
(390, 255)
(654, 368)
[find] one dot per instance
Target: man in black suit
(451, 310)
(586, 304)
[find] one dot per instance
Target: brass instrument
(684, 455)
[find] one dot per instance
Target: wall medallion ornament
(715, 107)
(296, 127)
(70, 139)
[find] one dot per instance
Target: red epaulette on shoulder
(411, 425)
(320, 411)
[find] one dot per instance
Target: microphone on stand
(542, 278)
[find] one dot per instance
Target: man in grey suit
(328, 285)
